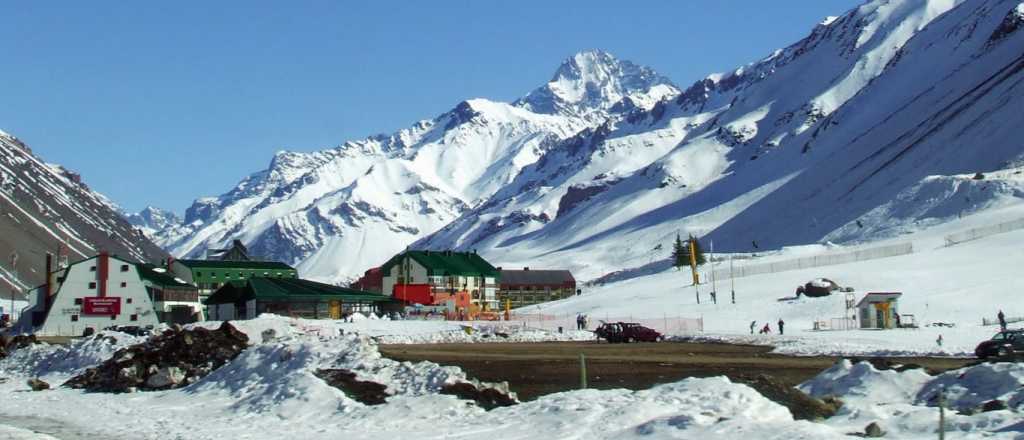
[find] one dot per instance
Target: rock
(172, 359)
(166, 377)
(802, 406)
(366, 392)
(488, 396)
(994, 405)
(873, 430)
(268, 335)
(38, 385)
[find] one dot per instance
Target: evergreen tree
(700, 251)
(680, 254)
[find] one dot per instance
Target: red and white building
(96, 293)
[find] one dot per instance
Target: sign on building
(106, 305)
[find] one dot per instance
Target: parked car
(627, 332)
(1004, 343)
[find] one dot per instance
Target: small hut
(879, 310)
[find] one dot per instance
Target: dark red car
(627, 332)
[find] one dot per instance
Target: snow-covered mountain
(47, 208)
(340, 211)
(152, 220)
(874, 124)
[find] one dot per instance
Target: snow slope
(338, 212)
(874, 124)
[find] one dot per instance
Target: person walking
(1002, 320)
(767, 329)
(939, 340)
(781, 325)
(579, 321)
(753, 325)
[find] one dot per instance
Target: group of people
(767, 329)
(581, 321)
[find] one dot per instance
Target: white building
(463, 277)
(879, 310)
(96, 293)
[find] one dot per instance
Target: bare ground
(536, 369)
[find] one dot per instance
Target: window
(92, 268)
(213, 274)
(78, 301)
(74, 318)
(199, 274)
(134, 318)
(124, 284)
(113, 317)
(128, 300)
(92, 285)
(124, 268)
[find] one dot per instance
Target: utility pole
(942, 413)
(732, 280)
(14, 268)
(714, 281)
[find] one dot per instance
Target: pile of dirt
(488, 396)
(802, 406)
(172, 359)
(363, 391)
(9, 344)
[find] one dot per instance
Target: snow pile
(969, 388)
(487, 333)
(42, 360)
(903, 403)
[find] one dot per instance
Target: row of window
(124, 268)
(241, 274)
(78, 301)
(92, 284)
(74, 318)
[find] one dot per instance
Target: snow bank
(42, 360)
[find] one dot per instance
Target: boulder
(166, 377)
(873, 430)
(802, 406)
(363, 391)
(38, 385)
(488, 396)
(172, 359)
(994, 405)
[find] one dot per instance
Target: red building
(371, 281)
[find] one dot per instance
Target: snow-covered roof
(877, 297)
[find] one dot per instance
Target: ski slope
(958, 284)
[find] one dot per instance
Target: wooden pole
(583, 371)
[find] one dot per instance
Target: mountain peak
(593, 80)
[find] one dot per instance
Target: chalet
(462, 280)
(94, 293)
(525, 287)
(291, 297)
(879, 310)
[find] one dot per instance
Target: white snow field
(270, 391)
(956, 285)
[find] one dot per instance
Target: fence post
(583, 371)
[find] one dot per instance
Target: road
(535, 369)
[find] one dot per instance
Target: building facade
(292, 297)
(879, 310)
(174, 300)
(210, 275)
(525, 287)
(94, 293)
(456, 277)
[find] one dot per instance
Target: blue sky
(157, 103)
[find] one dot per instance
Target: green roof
(447, 263)
(284, 289)
(224, 264)
(159, 276)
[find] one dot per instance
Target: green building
(292, 297)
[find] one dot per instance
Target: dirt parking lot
(536, 369)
